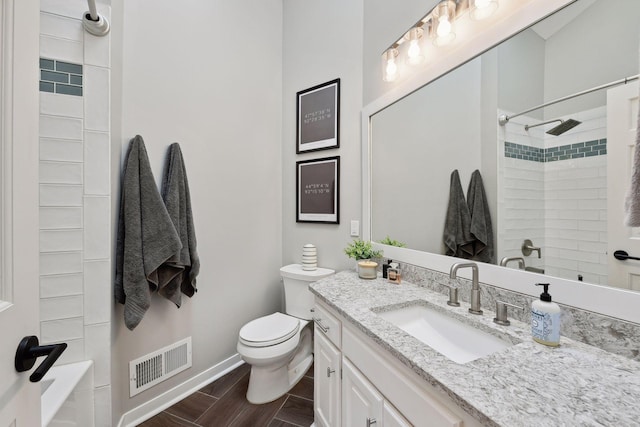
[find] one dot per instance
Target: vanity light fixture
(438, 25)
(390, 68)
(442, 30)
(481, 9)
(414, 51)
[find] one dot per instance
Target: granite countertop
(527, 384)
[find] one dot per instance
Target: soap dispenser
(545, 319)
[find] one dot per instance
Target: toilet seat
(269, 330)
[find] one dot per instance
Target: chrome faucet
(475, 287)
(504, 261)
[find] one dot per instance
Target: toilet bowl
(279, 346)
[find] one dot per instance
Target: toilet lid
(269, 330)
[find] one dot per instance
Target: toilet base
(267, 385)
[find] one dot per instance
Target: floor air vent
(149, 370)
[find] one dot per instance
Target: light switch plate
(355, 228)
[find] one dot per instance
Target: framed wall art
(318, 117)
(318, 190)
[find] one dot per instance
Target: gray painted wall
(322, 41)
(190, 73)
(575, 54)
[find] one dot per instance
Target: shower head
(563, 127)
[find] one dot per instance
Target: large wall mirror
(555, 187)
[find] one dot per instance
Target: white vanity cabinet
(327, 366)
(359, 384)
(362, 404)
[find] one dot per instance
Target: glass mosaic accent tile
(554, 154)
(60, 77)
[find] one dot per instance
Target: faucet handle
(501, 312)
(453, 296)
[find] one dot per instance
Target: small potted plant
(391, 242)
(360, 251)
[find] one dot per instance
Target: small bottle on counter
(385, 267)
(545, 319)
(393, 273)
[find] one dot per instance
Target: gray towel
(175, 193)
(457, 237)
(146, 235)
(632, 200)
(481, 228)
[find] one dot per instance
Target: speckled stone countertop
(527, 384)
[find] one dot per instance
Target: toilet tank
(298, 298)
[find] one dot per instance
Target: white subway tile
(73, 353)
(102, 399)
(60, 240)
(61, 285)
(593, 225)
(97, 50)
(97, 347)
(61, 49)
(60, 307)
(60, 173)
(60, 195)
(596, 247)
(68, 8)
(60, 127)
(97, 170)
(590, 267)
(97, 291)
(60, 263)
(61, 149)
(97, 227)
(61, 330)
(61, 27)
(96, 98)
(61, 105)
(60, 217)
(592, 204)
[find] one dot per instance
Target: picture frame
(318, 117)
(318, 190)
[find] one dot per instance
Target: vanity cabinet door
(392, 418)
(326, 380)
(362, 403)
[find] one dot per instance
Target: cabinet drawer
(327, 324)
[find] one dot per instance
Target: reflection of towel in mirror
(146, 236)
(632, 200)
(481, 228)
(457, 237)
(185, 262)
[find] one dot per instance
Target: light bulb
(481, 9)
(391, 69)
(414, 50)
(444, 26)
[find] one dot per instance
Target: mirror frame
(513, 18)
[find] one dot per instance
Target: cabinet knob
(371, 421)
(330, 371)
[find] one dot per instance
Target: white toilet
(279, 346)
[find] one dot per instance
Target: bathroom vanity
(369, 371)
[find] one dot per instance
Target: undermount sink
(450, 337)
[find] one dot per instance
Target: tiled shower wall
(75, 226)
(570, 185)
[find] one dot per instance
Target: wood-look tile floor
(223, 403)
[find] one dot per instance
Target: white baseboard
(158, 404)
